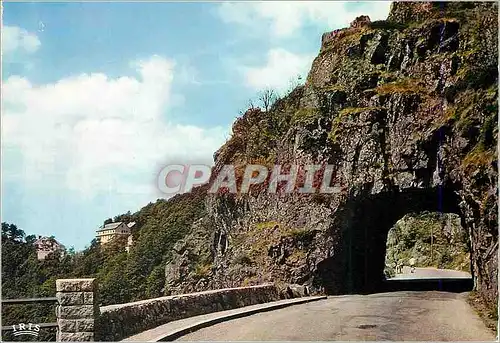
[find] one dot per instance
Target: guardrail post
(77, 310)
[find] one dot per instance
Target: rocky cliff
(406, 111)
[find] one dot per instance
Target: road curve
(422, 316)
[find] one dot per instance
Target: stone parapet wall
(77, 309)
(117, 322)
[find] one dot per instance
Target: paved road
(178, 328)
(424, 273)
(423, 316)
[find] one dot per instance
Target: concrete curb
(222, 318)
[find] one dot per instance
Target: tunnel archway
(435, 242)
(365, 222)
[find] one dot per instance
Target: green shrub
(405, 86)
(243, 259)
(306, 115)
(387, 25)
(203, 270)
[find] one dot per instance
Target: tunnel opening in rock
(360, 266)
(435, 244)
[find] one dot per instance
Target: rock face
(406, 111)
(361, 21)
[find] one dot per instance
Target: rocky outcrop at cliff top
(406, 110)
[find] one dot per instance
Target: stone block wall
(77, 309)
(117, 322)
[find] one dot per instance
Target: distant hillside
(411, 237)
(140, 274)
(121, 276)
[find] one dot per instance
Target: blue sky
(98, 97)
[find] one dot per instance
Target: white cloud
(284, 18)
(16, 39)
(280, 68)
(93, 133)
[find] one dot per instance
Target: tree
(267, 98)
(250, 105)
(11, 231)
(30, 239)
(126, 217)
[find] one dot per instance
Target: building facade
(47, 245)
(119, 229)
(111, 230)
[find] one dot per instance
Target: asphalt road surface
(422, 316)
(424, 273)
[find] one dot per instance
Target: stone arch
(358, 264)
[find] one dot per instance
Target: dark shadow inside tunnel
(361, 267)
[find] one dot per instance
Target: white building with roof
(111, 230)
